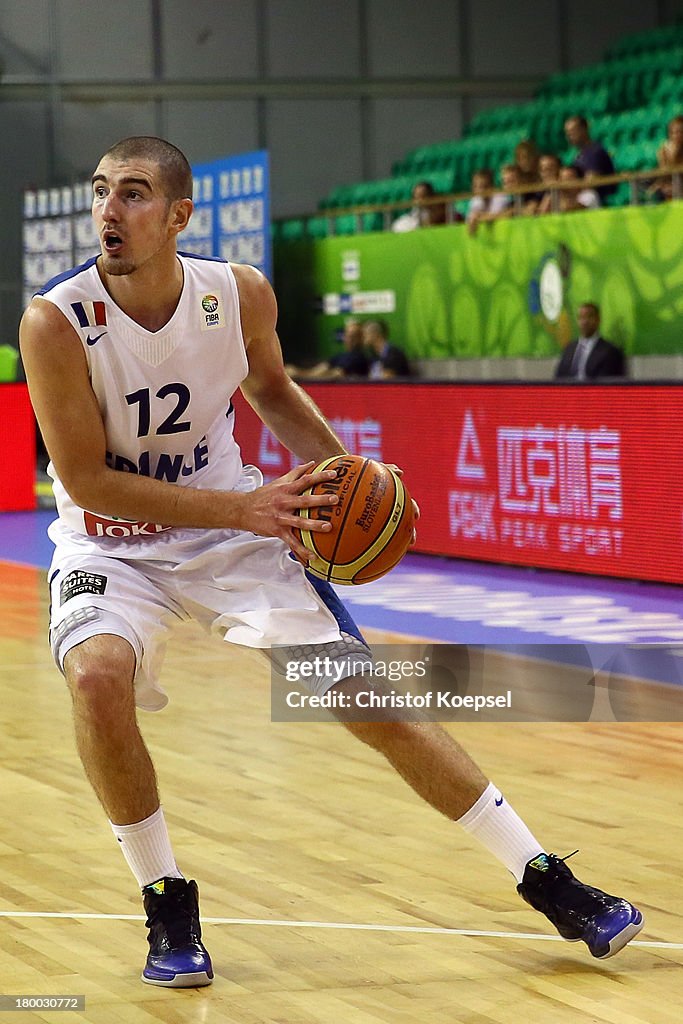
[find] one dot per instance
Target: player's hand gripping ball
(372, 523)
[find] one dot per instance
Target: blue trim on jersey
(197, 256)
(335, 606)
(66, 274)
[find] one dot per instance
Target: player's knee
(98, 682)
(367, 711)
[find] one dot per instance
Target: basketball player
(131, 361)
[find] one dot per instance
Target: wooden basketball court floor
(330, 894)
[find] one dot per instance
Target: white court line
(337, 925)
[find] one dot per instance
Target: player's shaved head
(176, 172)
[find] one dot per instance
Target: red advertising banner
(579, 478)
(17, 449)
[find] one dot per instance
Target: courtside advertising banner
(17, 449)
(579, 478)
(232, 211)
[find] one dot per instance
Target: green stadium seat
(669, 89)
(625, 128)
(663, 38)
(401, 188)
(639, 123)
(442, 159)
(318, 227)
(340, 196)
(622, 196)
(363, 193)
(638, 156)
(654, 122)
(500, 119)
(372, 221)
(292, 230)
(346, 224)
(441, 181)
(643, 124)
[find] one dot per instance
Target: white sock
(147, 849)
(493, 822)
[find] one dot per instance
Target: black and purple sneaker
(605, 923)
(177, 958)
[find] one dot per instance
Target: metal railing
(636, 179)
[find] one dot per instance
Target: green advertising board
(511, 290)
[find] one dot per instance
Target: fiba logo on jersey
(212, 315)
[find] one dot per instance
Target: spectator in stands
(389, 360)
(482, 182)
(576, 198)
(590, 356)
(566, 199)
(423, 213)
(352, 362)
(669, 154)
(549, 173)
(501, 204)
(593, 160)
(527, 158)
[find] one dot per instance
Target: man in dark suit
(352, 362)
(590, 356)
(386, 360)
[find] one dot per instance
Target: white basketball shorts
(244, 588)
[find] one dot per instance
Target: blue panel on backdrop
(232, 210)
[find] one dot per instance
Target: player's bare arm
(73, 430)
(283, 406)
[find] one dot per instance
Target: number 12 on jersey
(172, 424)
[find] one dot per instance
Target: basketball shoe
(605, 923)
(177, 958)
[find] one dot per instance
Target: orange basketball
(372, 521)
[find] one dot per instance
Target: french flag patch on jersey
(90, 314)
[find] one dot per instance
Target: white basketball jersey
(164, 395)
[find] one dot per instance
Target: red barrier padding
(17, 449)
(578, 478)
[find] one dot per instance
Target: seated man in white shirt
(422, 214)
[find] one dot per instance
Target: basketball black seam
(346, 513)
(316, 550)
